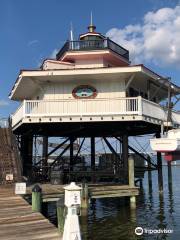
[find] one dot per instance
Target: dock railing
(89, 107)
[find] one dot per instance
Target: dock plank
(18, 221)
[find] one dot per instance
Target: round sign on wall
(84, 91)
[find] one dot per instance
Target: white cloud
(4, 103)
(32, 42)
(156, 39)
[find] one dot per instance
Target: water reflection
(112, 218)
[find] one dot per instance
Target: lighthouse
(90, 90)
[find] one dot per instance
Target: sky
(34, 30)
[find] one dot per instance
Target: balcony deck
(90, 110)
(86, 45)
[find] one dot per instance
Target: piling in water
(60, 214)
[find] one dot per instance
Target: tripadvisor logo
(139, 231)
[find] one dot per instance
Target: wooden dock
(18, 221)
(54, 192)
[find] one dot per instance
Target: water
(111, 218)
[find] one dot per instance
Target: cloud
(156, 39)
(3, 103)
(32, 42)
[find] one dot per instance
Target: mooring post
(149, 175)
(169, 172)
(159, 166)
(36, 198)
(84, 196)
(60, 214)
(131, 179)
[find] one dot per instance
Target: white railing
(90, 107)
(176, 117)
(81, 107)
(151, 109)
(18, 115)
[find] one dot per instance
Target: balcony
(79, 110)
(86, 45)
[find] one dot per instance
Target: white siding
(105, 89)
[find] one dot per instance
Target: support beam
(59, 146)
(129, 81)
(148, 89)
(44, 156)
(159, 166)
(117, 163)
(139, 154)
(26, 154)
(149, 178)
(55, 149)
(125, 156)
(71, 153)
(169, 173)
(131, 180)
(61, 154)
(111, 148)
(131, 170)
(169, 113)
(84, 195)
(93, 153)
(79, 149)
(60, 215)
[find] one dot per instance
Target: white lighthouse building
(90, 90)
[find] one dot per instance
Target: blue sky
(33, 30)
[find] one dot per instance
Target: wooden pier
(52, 193)
(18, 221)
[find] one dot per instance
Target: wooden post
(60, 214)
(36, 198)
(71, 153)
(159, 165)
(149, 177)
(169, 113)
(93, 157)
(44, 156)
(26, 154)
(84, 196)
(131, 179)
(131, 170)
(169, 172)
(125, 157)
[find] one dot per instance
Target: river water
(112, 218)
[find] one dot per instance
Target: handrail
(22, 103)
(81, 45)
(91, 107)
